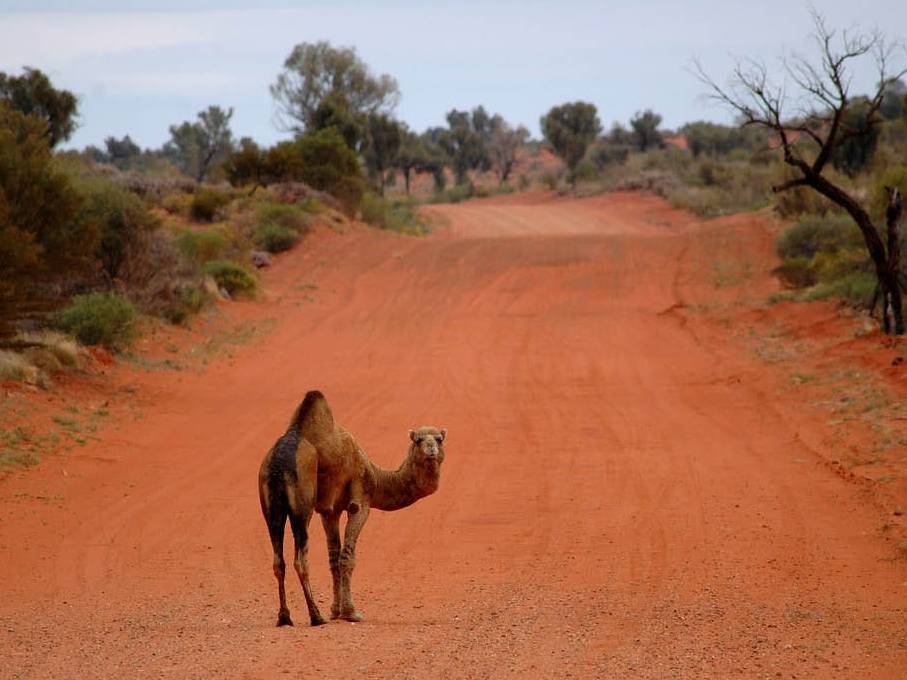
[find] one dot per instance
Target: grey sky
(141, 66)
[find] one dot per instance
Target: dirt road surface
(619, 498)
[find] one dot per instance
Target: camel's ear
(412, 435)
(443, 434)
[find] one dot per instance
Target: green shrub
(284, 215)
(275, 238)
(796, 273)
(857, 288)
(177, 203)
(394, 215)
(99, 319)
(231, 277)
(206, 203)
(199, 247)
(188, 302)
(125, 225)
(813, 234)
(312, 206)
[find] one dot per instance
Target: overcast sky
(140, 66)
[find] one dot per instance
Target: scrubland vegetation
(92, 241)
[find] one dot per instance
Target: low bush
(394, 215)
(201, 246)
(206, 203)
(275, 238)
(284, 215)
(188, 301)
(856, 288)
(230, 276)
(177, 203)
(813, 234)
(99, 319)
(62, 347)
(14, 366)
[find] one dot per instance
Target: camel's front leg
(331, 525)
(357, 515)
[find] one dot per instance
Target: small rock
(899, 511)
(224, 295)
(897, 361)
(261, 259)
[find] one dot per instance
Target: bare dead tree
(818, 117)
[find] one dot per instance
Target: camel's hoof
(318, 620)
(283, 619)
(353, 616)
(335, 612)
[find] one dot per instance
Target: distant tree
(570, 129)
(195, 146)
(325, 162)
(436, 160)
(712, 139)
(465, 141)
(823, 87)
(33, 93)
(40, 236)
(855, 153)
(503, 144)
(894, 100)
(383, 139)
(318, 75)
(245, 165)
(333, 111)
(411, 157)
(121, 152)
(645, 130)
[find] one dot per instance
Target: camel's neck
(395, 489)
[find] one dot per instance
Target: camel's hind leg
(275, 512)
(302, 504)
(331, 525)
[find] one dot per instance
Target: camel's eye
(439, 439)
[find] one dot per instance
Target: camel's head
(428, 445)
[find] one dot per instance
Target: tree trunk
(886, 271)
(406, 179)
(893, 219)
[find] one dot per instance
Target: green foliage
(503, 145)
(187, 302)
(41, 238)
(393, 215)
(827, 253)
(814, 234)
(465, 141)
(333, 79)
(711, 139)
(275, 238)
(124, 222)
(99, 319)
(383, 138)
(33, 94)
(194, 147)
(199, 247)
(645, 130)
(206, 203)
(570, 129)
(856, 288)
(328, 164)
(286, 215)
(230, 276)
(246, 165)
(855, 153)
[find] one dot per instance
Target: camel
(317, 466)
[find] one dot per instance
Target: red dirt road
(617, 501)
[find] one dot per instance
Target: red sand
(629, 491)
